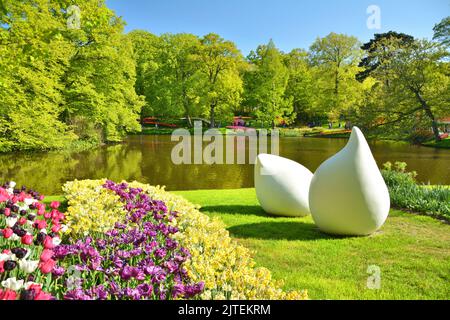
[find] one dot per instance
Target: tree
(220, 62)
(300, 84)
(266, 84)
(34, 55)
(412, 80)
(145, 45)
(60, 82)
(377, 49)
(175, 86)
(442, 31)
(335, 59)
(99, 83)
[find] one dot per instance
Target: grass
(443, 144)
(413, 252)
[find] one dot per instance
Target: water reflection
(148, 159)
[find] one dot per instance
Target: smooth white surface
(282, 186)
(348, 195)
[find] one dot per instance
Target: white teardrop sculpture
(282, 186)
(348, 195)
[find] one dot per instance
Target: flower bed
(225, 267)
(29, 234)
(122, 241)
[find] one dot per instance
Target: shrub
(225, 267)
(420, 136)
(405, 193)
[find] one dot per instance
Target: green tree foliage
(62, 81)
(266, 83)
(335, 59)
(300, 87)
(412, 88)
(220, 63)
(442, 31)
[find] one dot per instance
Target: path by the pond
(148, 159)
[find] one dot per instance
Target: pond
(148, 159)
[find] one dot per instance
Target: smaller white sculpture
(348, 195)
(282, 186)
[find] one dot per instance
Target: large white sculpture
(282, 186)
(348, 195)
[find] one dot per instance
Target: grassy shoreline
(316, 132)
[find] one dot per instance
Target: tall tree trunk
(336, 89)
(212, 115)
(186, 107)
(430, 115)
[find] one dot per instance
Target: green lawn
(413, 252)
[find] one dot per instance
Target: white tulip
(14, 237)
(23, 207)
(12, 184)
(28, 266)
(10, 222)
(6, 256)
(29, 201)
(12, 284)
(56, 241)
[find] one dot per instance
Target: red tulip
(47, 266)
(46, 255)
(1, 267)
(27, 239)
(8, 295)
(43, 296)
(47, 215)
(7, 212)
(56, 228)
(22, 221)
(8, 232)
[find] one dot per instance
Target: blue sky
(290, 23)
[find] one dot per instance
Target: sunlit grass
(413, 252)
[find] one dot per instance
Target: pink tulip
(54, 204)
(48, 243)
(46, 255)
(47, 266)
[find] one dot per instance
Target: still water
(148, 159)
